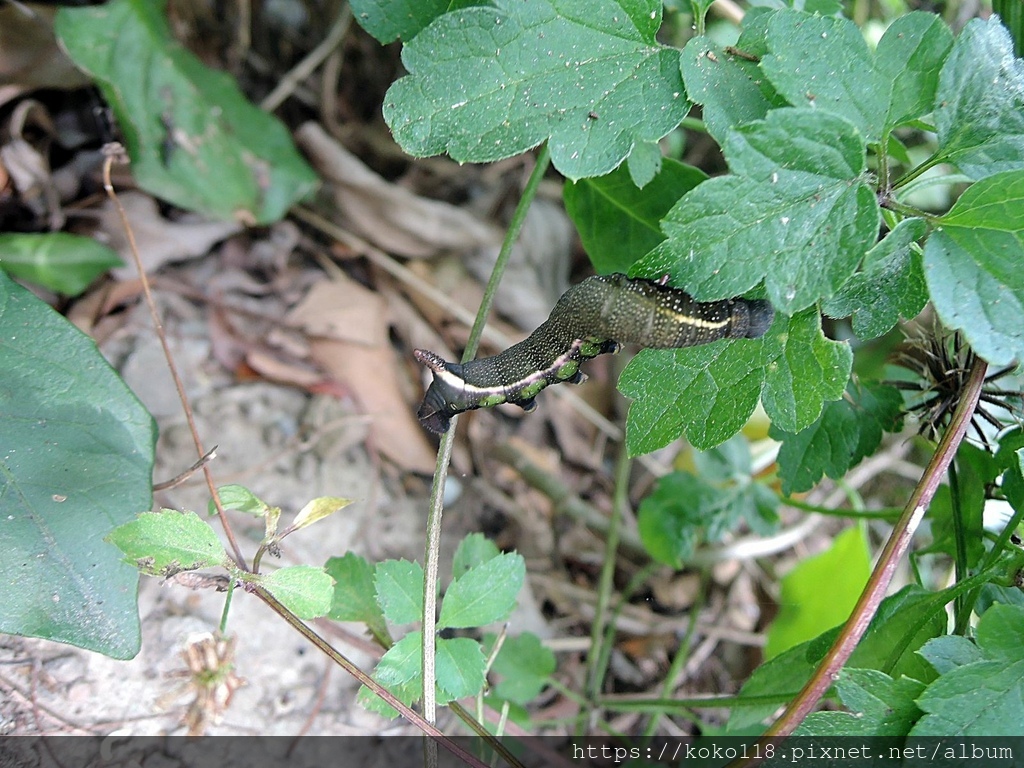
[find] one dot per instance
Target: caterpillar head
(445, 397)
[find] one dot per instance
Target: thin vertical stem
(432, 545)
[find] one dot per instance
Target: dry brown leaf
(392, 218)
(159, 240)
(349, 327)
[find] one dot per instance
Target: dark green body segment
(591, 318)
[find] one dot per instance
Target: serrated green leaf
(972, 266)
(979, 105)
(473, 550)
(400, 670)
(878, 706)
(806, 609)
(981, 698)
(76, 462)
(399, 587)
(686, 509)
(589, 77)
(59, 261)
(732, 90)
(460, 668)
(355, 596)
(486, 592)
(318, 509)
(847, 431)
(803, 370)
(909, 56)
(303, 589)
(890, 284)
(389, 20)
(709, 392)
(948, 652)
(193, 138)
(240, 499)
(824, 63)
(167, 542)
(523, 664)
(619, 223)
(797, 214)
(903, 623)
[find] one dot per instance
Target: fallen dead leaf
(391, 217)
(159, 240)
(349, 341)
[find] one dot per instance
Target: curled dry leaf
(392, 218)
(349, 330)
(159, 240)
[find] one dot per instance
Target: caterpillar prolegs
(591, 318)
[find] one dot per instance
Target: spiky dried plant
(943, 362)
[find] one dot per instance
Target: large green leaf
(709, 392)
(618, 223)
(193, 137)
(824, 62)
(805, 609)
(979, 105)
(797, 214)
(588, 76)
(972, 266)
(76, 461)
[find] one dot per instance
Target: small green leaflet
(355, 596)
(981, 697)
(303, 589)
(848, 430)
(890, 284)
(59, 261)
(399, 587)
(524, 666)
(166, 542)
(485, 593)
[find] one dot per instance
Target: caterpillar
(592, 318)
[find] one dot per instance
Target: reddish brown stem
(895, 548)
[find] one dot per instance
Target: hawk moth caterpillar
(591, 318)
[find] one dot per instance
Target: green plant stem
(912, 174)
(888, 513)
(432, 545)
(961, 613)
(223, 628)
(600, 646)
(682, 654)
(341, 660)
(897, 545)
